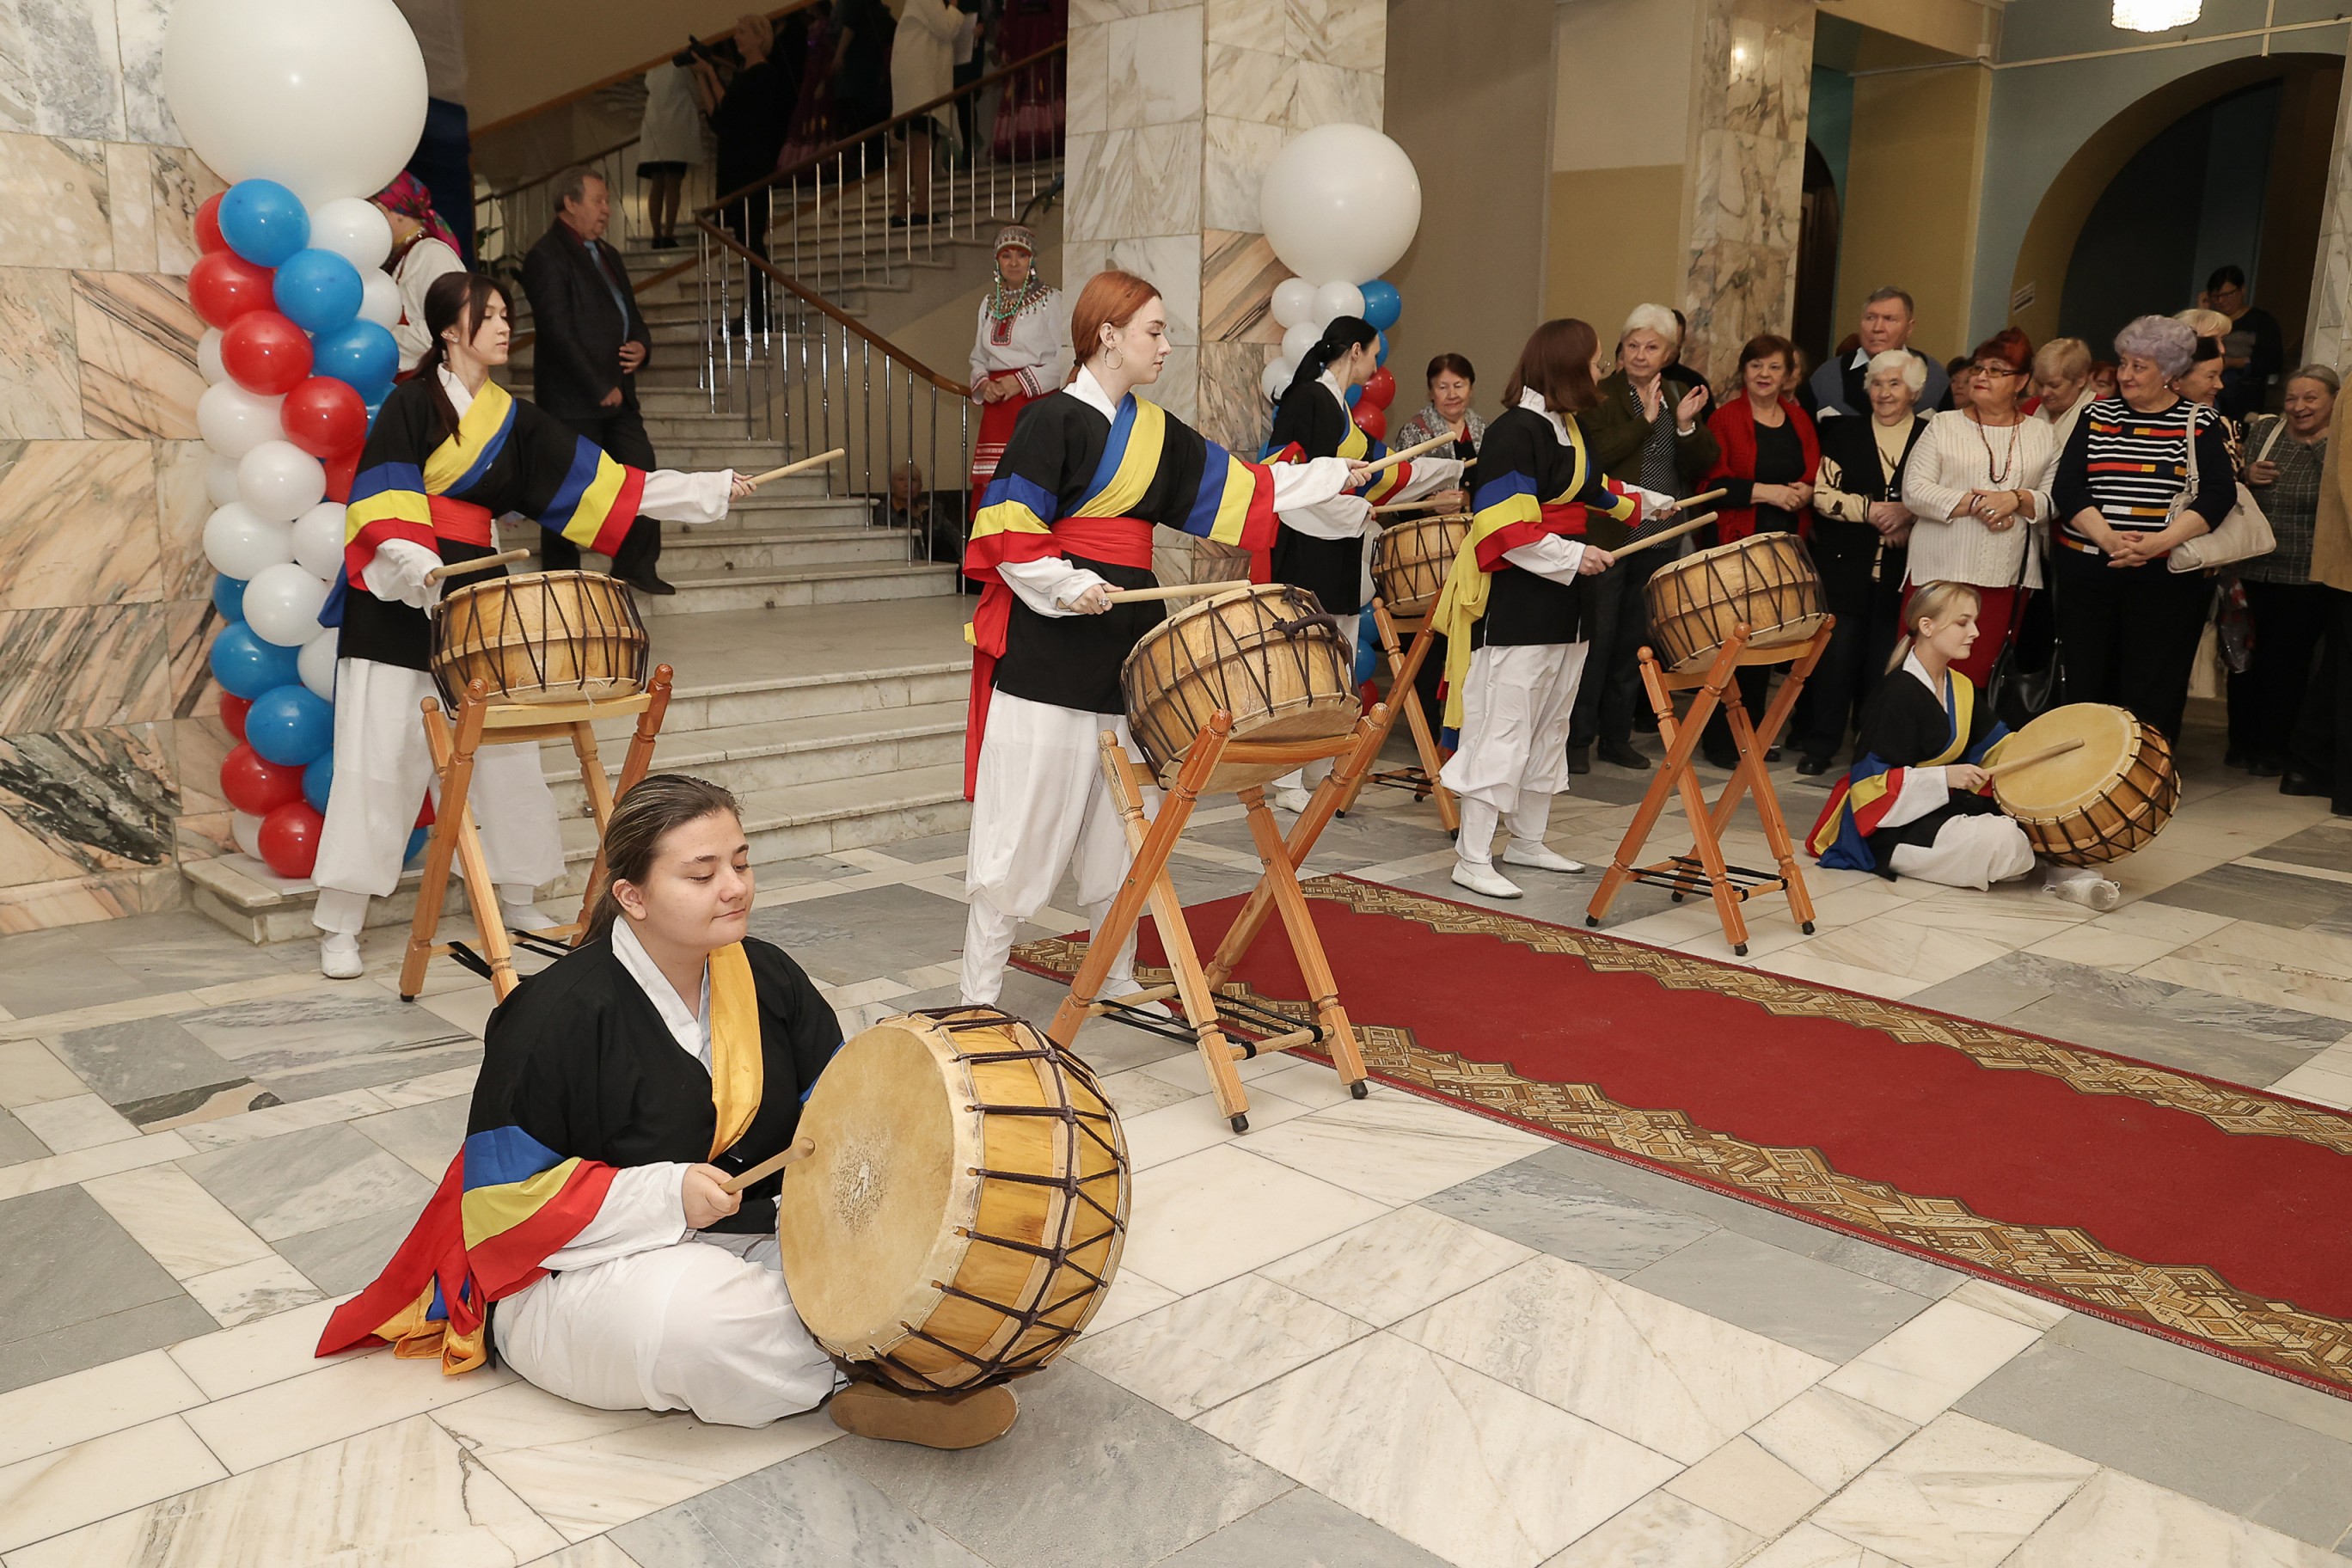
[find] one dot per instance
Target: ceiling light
(2156, 16)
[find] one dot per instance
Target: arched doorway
(1817, 258)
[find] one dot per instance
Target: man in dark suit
(591, 340)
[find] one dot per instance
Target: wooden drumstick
(2044, 755)
(800, 1149)
(467, 568)
(1394, 458)
(1175, 591)
(1689, 501)
(756, 481)
(1693, 526)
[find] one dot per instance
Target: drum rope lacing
(1227, 652)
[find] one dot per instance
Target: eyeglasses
(1994, 370)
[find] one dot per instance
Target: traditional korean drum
(543, 636)
(961, 1216)
(1411, 560)
(1267, 654)
(1765, 579)
(2110, 796)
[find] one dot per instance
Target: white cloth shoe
(526, 917)
(1484, 880)
(2098, 894)
(1541, 857)
(339, 956)
(1291, 798)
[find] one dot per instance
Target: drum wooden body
(961, 1217)
(2095, 804)
(544, 637)
(1267, 654)
(1765, 579)
(1411, 560)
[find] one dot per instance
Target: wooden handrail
(618, 78)
(828, 309)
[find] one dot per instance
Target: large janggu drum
(1267, 654)
(542, 637)
(2110, 796)
(1410, 561)
(1765, 579)
(961, 1216)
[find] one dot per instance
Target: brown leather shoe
(931, 1420)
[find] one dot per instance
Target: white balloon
(326, 97)
(208, 359)
(234, 421)
(220, 479)
(316, 663)
(282, 603)
(353, 228)
(1334, 299)
(318, 539)
(1340, 201)
(379, 299)
(1294, 302)
(279, 481)
(240, 544)
(1275, 382)
(246, 829)
(1298, 340)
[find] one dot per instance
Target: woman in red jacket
(1770, 457)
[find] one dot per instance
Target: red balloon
(207, 227)
(289, 838)
(425, 814)
(253, 783)
(341, 472)
(223, 286)
(1371, 421)
(266, 354)
(324, 418)
(233, 709)
(1381, 390)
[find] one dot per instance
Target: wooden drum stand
(1405, 667)
(1703, 869)
(1153, 838)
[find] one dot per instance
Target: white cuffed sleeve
(643, 1208)
(1924, 790)
(1048, 586)
(1342, 517)
(1430, 475)
(396, 572)
(1552, 556)
(1310, 483)
(676, 497)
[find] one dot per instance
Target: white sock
(987, 944)
(1476, 842)
(1529, 818)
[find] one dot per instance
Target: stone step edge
(561, 764)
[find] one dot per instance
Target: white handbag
(2240, 536)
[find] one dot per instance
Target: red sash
(1565, 520)
(461, 522)
(1120, 540)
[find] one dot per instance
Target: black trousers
(2321, 745)
(2130, 635)
(1869, 620)
(1610, 698)
(2289, 619)
(747, 220)
(620, 432)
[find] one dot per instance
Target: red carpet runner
(2212, 1213)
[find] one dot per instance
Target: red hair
(1108, 300)
(2008, 345)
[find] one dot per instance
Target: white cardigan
(1948, 462)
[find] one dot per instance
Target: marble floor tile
(300, 1182)
(78, 1291)
(1302, 1529)
(1223, 1212)
(1810, 1546)
(2308, 970)
(44, 1417)
(423, 1137)
(1920, 1369)
(1194, 1124)
(2105, 949)
(810, 1509)
(183, 1227)
(1742, 1483)
(17, 1143)
(150, 1064)
(1183, 1067)
(2315, 1411)
(1537, 1204)
(270, 1120)
(246, 1291)
(42, 1497)
(340, 1399)
(30, 1074)
(1649, 1369)
(1135, 1093)
(1960, 1494)
(586, 1471)
(1394, 1148)
(81, 1121)
(1103, 1479)
(1310, 1084)
(1829, 1438)
(1261, 1330)
(596, 1552)
(268, 1350)
(2118, 1523)
(401, 1492)
(1130, 1296)
(857, 936)
(1660, 1531)
(1399, 1263)
(2317, 1084)
(1802, 963)
(2003, 1302)
(1469, 1468)
(325, 1040)
(348, 1255)
(1783, 1295)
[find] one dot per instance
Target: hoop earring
(1111, 355)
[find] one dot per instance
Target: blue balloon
(289, 725)
(318, 779)
(1355, 395)
(264, 222)
(228, 598)
(319, 291)
(247, 667)
(1383, 357)
(416, 842)
(359, 354)
(1382, 303)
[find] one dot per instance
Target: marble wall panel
(1262, 24)
(137, 337)
(189, 629)
(1154, 68)
(199, 745)
(1085, 11)
(74, 669)
(1142, 182)
(1173, 264)
(1734, 291)
(62, 74)
(75, 900)
(1233, 410)
(1083, 178)
(1177, 390)
(181, 508)
(1350, 34)
(41, 380)
(78, 524)
(1332, 95)
(1087, 104)
(1238, 154)
(53, 203)
(1248, 84)
(205, 835)
(101, 799)
(139, 35)
(182, 182)
(1238, 273)
(130, 206)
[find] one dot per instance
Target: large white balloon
(282, 603)
(220, 479)
(241, 545)
(316, 664)
(379, 299)
(1294, 302)
(1298, 340)
(1275, 382)
(353, 228)
(234, 421)
(208, 358)
(246, 829)
(1340, 202)
(1334, 299)
(280, 481)
(318, 539)
(326, 97)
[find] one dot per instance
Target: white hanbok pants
(1977, 851)
(1515, 705)
(705, 1324)
(1040, 807)
(382, 770)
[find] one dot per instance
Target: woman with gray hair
(2127, 628)
(2285, 456)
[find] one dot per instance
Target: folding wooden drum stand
(1153, 838)
(1703, 869)
(1403, 668)
(483, 722)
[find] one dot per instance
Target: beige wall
(1913, 179)
(1602, 272)
(522, 53)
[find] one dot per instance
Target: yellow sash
(736, 1064)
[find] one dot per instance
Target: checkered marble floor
(1365, 1334)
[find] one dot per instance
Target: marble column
(2330, 317)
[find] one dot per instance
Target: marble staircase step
(776, 588)
(753, 758)
(696, 552)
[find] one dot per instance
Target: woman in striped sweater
(2128, 627)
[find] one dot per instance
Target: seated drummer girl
(583, 1230)
(1916, 803)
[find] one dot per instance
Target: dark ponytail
(457, 300)
(1342, 333)
(656, 806)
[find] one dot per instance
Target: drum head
(2067, 783)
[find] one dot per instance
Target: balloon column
(1339, 204)
(308, 107)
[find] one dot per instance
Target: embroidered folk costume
(1024, 340)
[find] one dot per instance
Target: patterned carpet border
(2062, 1263)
